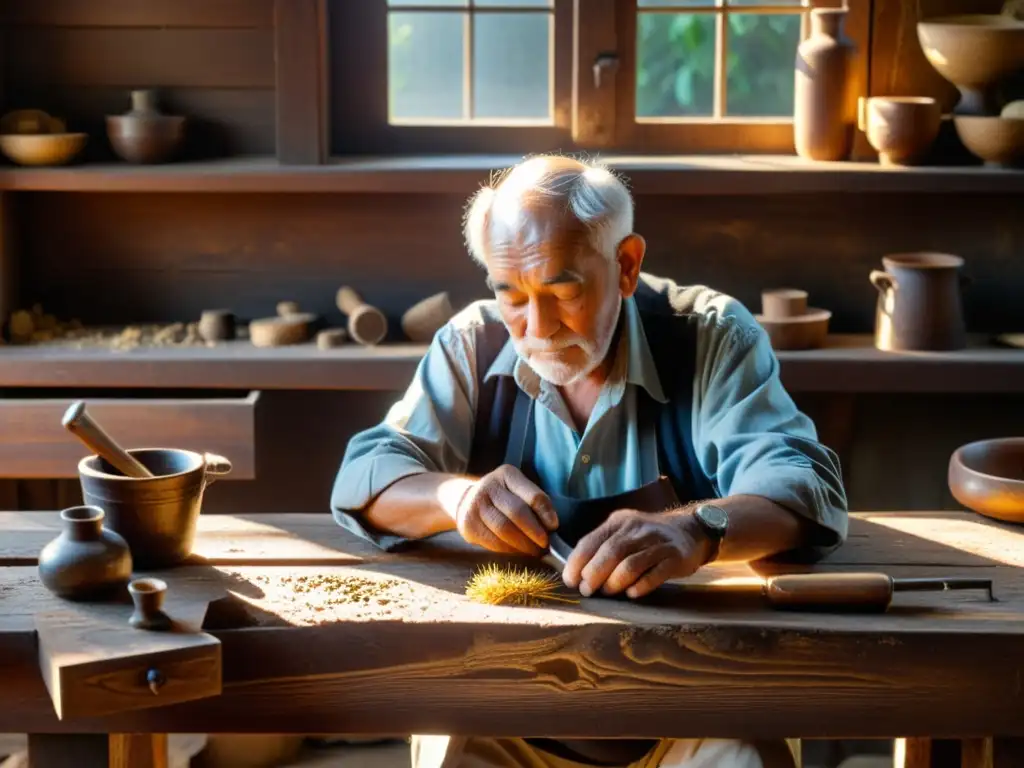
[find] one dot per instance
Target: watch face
(713, 517)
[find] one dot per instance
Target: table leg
(992, 753)
(117, 750)
(138, 750)
(926, 753)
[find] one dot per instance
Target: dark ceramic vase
(144, 135)
(86, 561)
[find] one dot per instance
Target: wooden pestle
(366, 324)
(81, 425)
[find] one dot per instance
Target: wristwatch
(713, 522)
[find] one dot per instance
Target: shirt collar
(640, 367)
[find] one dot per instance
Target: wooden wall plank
(300, 55)
(132, 13)
(594, 115)
(225, 58)
(221, 121)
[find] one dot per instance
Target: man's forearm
(759, 528)
(419, 505)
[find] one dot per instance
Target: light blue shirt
(748, 434)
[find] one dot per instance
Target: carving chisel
(810, 591)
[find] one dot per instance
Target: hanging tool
(809, 591)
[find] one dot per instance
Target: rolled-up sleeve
(428, 430)
(751, 438)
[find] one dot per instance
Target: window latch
(604, 62)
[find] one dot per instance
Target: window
(541, 75)
(470, 61)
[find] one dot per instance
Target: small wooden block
(280, 331)
(94, 663)
(287, 308)
(331, 338)
(217, 325)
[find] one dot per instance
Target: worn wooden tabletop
(322, 634)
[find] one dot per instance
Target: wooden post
(594, 92)
(300, 46)
(138, 750)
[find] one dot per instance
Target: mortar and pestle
(152, 497)
(790, 323)
(366, 324)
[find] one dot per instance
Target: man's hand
(636, 552)
(504, 512)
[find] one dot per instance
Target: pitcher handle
(883, 281)
(216, 467)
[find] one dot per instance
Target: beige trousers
(456, 752)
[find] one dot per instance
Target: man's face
(558, 296)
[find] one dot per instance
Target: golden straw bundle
(505, 585)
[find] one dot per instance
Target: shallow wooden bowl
(42, 148)
(987, 477)
(996, 140)
(806, 331)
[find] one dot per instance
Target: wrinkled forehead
(525, 239)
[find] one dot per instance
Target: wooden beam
(300, 29)
(598, 62)
(225, 14)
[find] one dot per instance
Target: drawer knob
(155, 679)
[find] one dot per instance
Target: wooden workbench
(322, 634)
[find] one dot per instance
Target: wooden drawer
(34, 444)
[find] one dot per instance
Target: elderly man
(642, 420)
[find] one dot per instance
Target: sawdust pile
(506, 585)
(39, 328)
(323, 598)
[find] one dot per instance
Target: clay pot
(902, 129)
(825, 113)
(144, 135)
(987, 477)
(919, 303)
(975, 52)
(148, 598)
(155, 515)
(86, 561)
(999, 141)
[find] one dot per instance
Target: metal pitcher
(919, 303)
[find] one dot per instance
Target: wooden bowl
(975, 51)
(42, 148)
(145, 140)
(987, 477)
(996, 140)
(807, 331)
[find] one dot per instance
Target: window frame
(358, 65)
(585, 116)
(726, 135)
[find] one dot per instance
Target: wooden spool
(281, 331)
(330, 338)
(217, 325)
(366, 324)
(425, 318)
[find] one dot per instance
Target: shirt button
(585, 458)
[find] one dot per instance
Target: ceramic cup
(901, 128)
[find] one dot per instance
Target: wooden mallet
(366, 324)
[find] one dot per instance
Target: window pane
(764, 2)
(448, 3)
(511, 65)
(762, 52)
(425, 69)
(515, 3)
(675, 64)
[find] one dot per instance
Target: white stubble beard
(560, 374)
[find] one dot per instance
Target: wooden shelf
(704, 175)
(847, 364)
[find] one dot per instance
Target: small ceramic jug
(919, 303)
(86, 561)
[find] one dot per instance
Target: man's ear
(630, 258)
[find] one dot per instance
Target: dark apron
(577, 518)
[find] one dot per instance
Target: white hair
(591, 193)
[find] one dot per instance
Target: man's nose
(542, 321)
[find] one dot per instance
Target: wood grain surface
(380, 634)
(129, 13)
